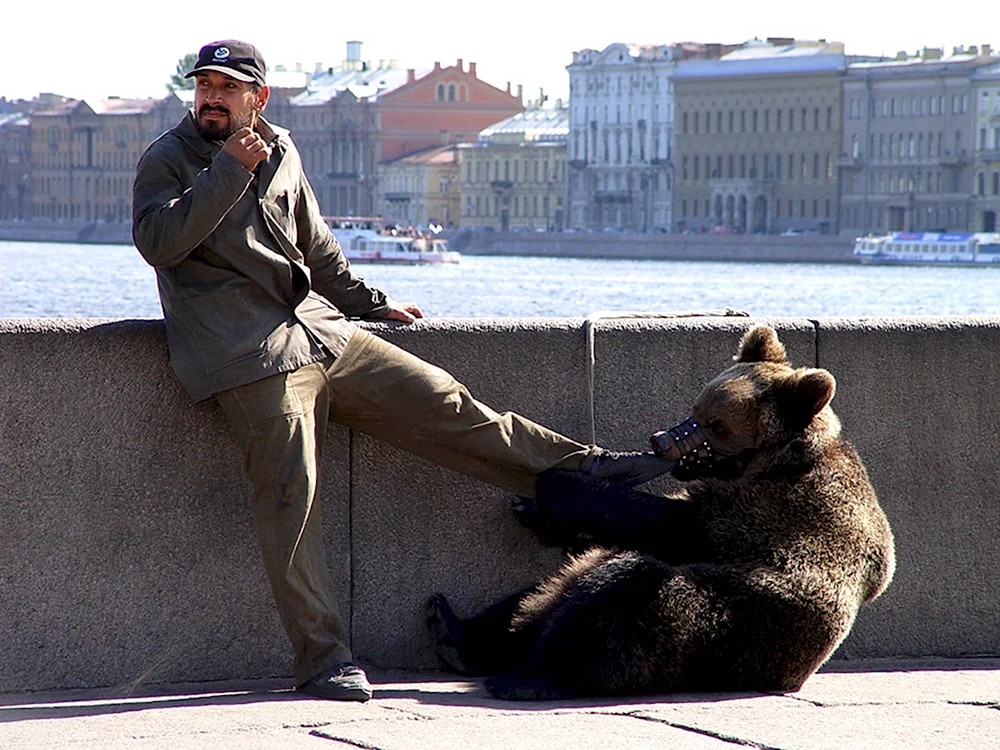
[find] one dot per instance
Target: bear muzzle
(684, 443)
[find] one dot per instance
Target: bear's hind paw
(446, 632)
(516, 686)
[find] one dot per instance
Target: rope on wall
(590, 325)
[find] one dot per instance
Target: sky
(122, 48)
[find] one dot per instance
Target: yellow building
(421, 188)
(514, 176)
(83, 157)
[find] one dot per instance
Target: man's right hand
(247, 147)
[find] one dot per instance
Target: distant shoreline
(615, 245)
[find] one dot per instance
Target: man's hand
(247, 147)
(407, 312)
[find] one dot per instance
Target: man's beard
(215, 130)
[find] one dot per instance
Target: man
(256, 295)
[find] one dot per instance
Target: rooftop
(536, 124)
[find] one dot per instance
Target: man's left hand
(407, 312)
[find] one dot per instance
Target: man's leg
(280, 423)
(386, 392)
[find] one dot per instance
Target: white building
(986, 200)
(621, 134)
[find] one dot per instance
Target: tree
(177, 81)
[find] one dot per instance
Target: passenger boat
(372, 240)
(931, 248)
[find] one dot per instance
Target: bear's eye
(718, 429)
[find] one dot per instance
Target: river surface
(45, 280)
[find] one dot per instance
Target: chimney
(987, 50)
(472, 69)
(353, 61)
(437, 66)
(974, 50)
(411, 75)
(520, 90)
(508, 87)
(901, 55)
(459, 65)
(319, 67)
(933, 53)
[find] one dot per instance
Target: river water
(43, 280)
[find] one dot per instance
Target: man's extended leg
(280, 422)
(388, 393)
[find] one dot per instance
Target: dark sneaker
(344, 682)
(628, 469)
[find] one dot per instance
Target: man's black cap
(238, 59)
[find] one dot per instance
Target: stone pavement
(867, 705)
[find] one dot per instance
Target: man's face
(223, 105)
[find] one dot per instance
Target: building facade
(421, 189)
(446, 106)
(15, 165)
(514, 176)
(910, 156)
(757, 134)
(83, 158)
(621, 137)
(986, 195)
(334, 122)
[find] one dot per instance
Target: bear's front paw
(529, 514)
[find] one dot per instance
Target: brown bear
(747, 580)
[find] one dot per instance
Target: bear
(745, 580)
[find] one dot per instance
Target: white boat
(931, 248)
(367, 240)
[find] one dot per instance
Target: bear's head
(759, 403)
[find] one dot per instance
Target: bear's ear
(760, 344)
(802, 396)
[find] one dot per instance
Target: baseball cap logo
(222, 53)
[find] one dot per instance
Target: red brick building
(446, 106)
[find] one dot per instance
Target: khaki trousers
(386, 392)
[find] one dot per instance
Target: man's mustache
(208, 108)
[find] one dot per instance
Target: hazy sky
(112, 47)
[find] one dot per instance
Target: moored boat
(373, 240)
(930, 248)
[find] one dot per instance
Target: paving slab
(871, 706)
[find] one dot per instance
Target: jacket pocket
(226, 327)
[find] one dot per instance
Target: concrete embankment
(718, 247)
(126, 543)
(38, 230)
(763, 248)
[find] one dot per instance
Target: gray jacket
(251, 280)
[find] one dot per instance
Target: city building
(621, 137)
(446, 106)
(421, 188)
(909, 151)
(15, 165)
(514, 176)
(83, 157)
(334, 122)
(986, 197)
(757, 134)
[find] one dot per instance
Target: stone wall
(127, 553)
